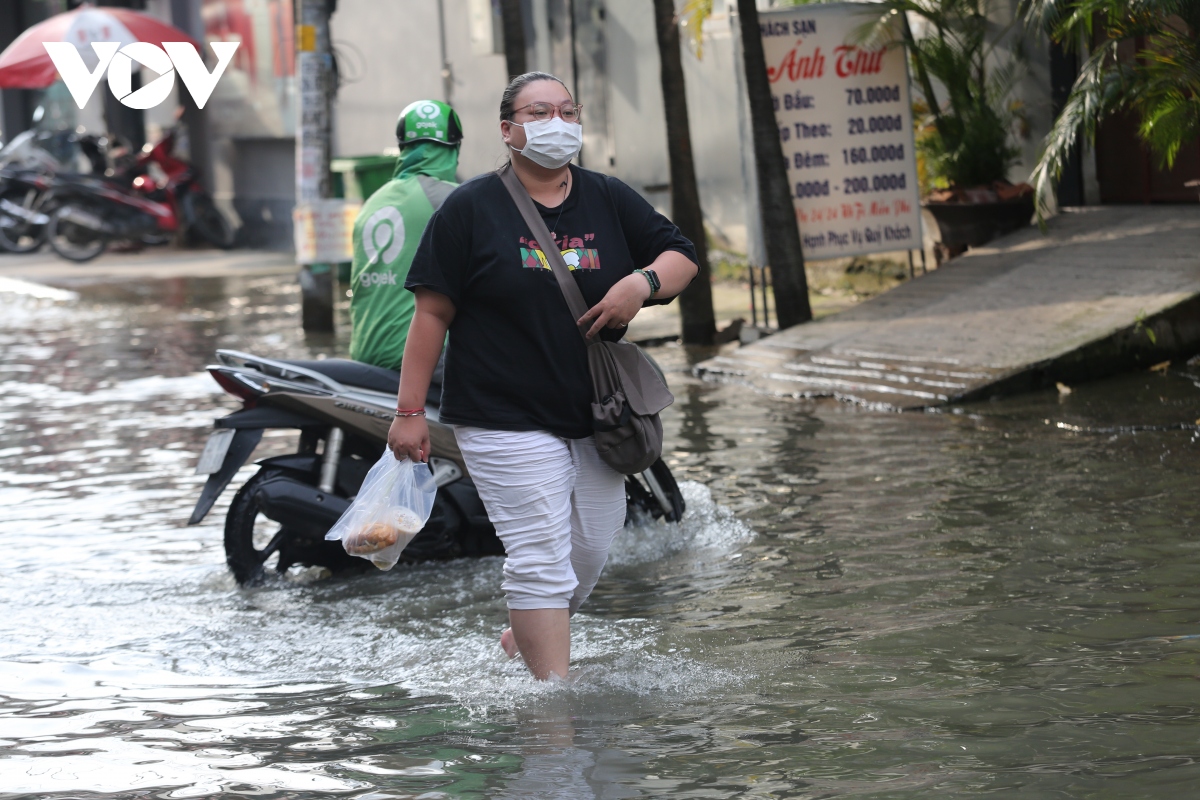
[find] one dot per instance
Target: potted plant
(967, 121)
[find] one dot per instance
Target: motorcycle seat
(354, 373)
(368, 376)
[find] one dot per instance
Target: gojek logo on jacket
(180, 57)
(383, 236)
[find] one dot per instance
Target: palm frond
(1175, 119)
(1043, 15)
(691, 23)
(1093, 97)
(1161, 83)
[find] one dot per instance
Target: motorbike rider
(389, 226)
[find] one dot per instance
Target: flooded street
(998, 598)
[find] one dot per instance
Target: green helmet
(428, 120)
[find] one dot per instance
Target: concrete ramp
(1108, 289)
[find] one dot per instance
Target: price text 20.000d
(858, 125)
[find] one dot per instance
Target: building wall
(1032, 92)
(391, 55)
(250, 120)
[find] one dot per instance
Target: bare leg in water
(508, 643)
(542, 636)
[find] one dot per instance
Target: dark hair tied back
(509, 98)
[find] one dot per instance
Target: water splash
(707, 529)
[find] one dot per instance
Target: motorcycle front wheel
(71, 240)
(21, 236)
(206, 221)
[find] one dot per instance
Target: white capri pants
(556, 507)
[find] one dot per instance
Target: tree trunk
(695, 304)
(514, 37)
(781, 233)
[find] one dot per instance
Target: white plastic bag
(391, 508)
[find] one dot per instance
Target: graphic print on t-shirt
(574, 253)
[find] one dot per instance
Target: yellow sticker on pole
(306, 38)
(324, 231)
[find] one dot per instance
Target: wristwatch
(655, 283)
(651, 276)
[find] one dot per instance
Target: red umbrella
(25, 64)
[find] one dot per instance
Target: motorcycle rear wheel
(252, 540)
(72, 241)
(21, 237)
(643, 498)
(206, 221)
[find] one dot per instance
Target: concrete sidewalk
(1108, 289)
(152, 262)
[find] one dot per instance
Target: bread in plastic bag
(390, 510)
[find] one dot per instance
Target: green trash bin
(360, 176)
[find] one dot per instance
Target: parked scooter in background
(149, 202)
(22, 216)
(160, 175)
(32, 166)
(88, 213)
(32, 150)
(342, 410)
(27, 166)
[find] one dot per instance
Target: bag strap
(537, 227)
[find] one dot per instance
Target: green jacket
(386, 234)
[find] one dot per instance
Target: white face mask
(552, 142)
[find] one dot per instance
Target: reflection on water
(999, 598)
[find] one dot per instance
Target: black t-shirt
(515, 360)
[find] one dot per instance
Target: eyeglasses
(570, 112)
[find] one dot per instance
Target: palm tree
(774, 195)
(1160, 84)
(695, 304)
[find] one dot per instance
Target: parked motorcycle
(89, 212)
(160, 175)
(27, 166)
(343, 410)
(22, 209)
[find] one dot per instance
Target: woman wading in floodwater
(517, 387)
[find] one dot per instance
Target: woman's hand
(409, 438)
(621, 304)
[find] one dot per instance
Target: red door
(1126, 169)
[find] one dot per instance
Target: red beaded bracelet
(410, 412)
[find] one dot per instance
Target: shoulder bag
(628, 392)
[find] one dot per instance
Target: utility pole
(314, 70)
(447, 73)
